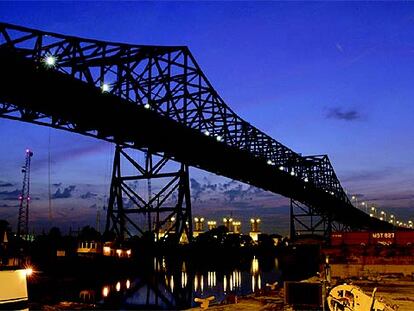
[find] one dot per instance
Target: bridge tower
(307, 220)
(167, 211)
(24, 198)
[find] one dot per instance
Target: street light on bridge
(365, 205)
(355, 199)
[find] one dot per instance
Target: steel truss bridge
(157, 99)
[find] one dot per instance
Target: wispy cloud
(88, 195)
(65, 194)
(339, 47)
(10, 195)
(5, 184)
(339, 113)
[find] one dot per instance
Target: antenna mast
(23, 221)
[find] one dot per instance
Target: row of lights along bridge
(51, 62)
(382, 215)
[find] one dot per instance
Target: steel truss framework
(167, 211)
(24, 199)
(307, 220)
(165, 80)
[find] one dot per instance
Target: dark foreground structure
(157, 99)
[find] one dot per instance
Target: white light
(371, 215)
(218, 138)
(281, 168)
(105, 87)
(269, 162)
(147, 106)
(29, 271)
(306, 179)
(207, 133)
(332, 193)
(50, 61)
(292, 173)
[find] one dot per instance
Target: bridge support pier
(131, 211)
(305, 220)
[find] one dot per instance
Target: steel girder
(165, 211)
(163, 79)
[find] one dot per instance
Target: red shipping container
(403, 238)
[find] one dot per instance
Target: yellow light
(172, 218)
(251, 220)
(105, 291)
(106, 250)
(202, 219)
(128, 252)
(196, 219)
(258, 220)
(119, 252)
(118, 286)
(128, 284)
(29, 271)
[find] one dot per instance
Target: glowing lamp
(105, 87)
(50, 61)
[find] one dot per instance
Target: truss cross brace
(160, 214)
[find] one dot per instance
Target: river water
(166, 284)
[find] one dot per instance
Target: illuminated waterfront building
(254, 228)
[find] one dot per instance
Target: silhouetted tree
(89, 233)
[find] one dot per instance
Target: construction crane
(24, 198)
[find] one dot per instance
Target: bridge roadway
(29, 90)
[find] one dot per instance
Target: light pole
(392, 219)
(383, 216)
(356, 200)
(365, 205)
(373, 212)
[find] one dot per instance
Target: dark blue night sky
(328, 77)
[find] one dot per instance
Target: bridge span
(156, 98)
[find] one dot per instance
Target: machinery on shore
(351, 298)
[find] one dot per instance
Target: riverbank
(397, 293)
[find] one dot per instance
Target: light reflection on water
(161, 288)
